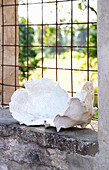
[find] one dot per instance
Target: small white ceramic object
(39, 102)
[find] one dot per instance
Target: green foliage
(93, 40)
(83, 5)
(79, 34)
(96, 116)
(49, 39)
(92, 51)
(92, 31)
(24, 51)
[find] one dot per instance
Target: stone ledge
(73, 140)
(37, 148)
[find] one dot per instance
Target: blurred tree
(83, 5)
(49, 39)
(92, 31)
(32, 54)
(93, 40)
(92, 51)
(79, 34)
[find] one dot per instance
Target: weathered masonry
(38, 148)
(24, 147)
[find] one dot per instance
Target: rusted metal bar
(48, 46)
(56, 40)
(87, 40)
(58, 68)
(15, 42)
(49, 2)
(2, 54)
(74, 23)
(27, 41)
(42, 39)
(72, 47)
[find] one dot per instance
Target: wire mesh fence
(61, 40)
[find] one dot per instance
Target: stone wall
(103, 83)
(37, 148)
(9, 51)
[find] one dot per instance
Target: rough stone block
(37, 148)
(77, 162)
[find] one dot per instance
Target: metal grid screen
(71, 46)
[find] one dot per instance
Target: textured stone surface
(77, 162)
(103, 84)
(9, 51)
(37, 148)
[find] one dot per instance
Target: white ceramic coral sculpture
(80, 109)
(43, 101)
(39, 102)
